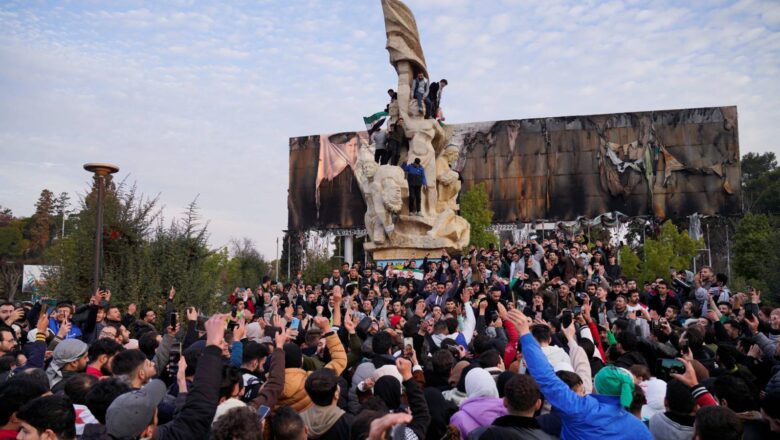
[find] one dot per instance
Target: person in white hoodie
(555, 355)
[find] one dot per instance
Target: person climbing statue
(415, 176)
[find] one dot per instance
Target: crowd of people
(535, 340)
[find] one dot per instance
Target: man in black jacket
(522, 399)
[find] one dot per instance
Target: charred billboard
(669, 164)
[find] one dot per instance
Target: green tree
(318, 264)
(42, 223)
(757, 255)
(475, 208)
(751, 251)
(247, 266)
(761, 183)
(671, 250)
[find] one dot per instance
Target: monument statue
(393, 232)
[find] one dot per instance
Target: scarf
(320, 419)
(614, 381)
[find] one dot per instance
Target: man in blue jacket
(415, 176)
(584, 417)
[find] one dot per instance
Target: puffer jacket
(476, 412)
(294, 394)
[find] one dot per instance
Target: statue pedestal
(410, 239)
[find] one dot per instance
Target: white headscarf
(480, 383)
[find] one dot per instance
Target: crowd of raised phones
(535, 340)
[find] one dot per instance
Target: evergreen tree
(42, 223)
(671, 250)
(475, 208)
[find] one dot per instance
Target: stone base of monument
(410, 239)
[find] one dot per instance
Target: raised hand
(277, 321)
(502, 312)
(323, 323)
(192, 314)
(43, 323)
(349, 323)
(570, 332)
(521, 322)
(181, 374)
(240, 330)
(689, 377)
(172, 293)
(64, 329)
(404, 367)
(380, 426)
(215, 329)
(280, 338)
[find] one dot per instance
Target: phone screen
(262, 411)
(295, 323)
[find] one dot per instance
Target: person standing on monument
(420, 91)
(381, 153)
(415, 176)
(396, 141)
(434, 93)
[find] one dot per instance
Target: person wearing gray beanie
(69, 358)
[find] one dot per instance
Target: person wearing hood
(601, 415)
(69, 359)
(325, 420)
(482, 405)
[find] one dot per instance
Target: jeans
(414, 198)
(423, 100)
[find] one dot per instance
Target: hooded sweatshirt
(556, 355)
(662, 426)
(482, 406)
(322, 419)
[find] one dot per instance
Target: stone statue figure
(383, 188)
(393, 233)
(447, 180)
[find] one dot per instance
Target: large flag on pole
(375, 121)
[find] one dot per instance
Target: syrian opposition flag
(375, 121)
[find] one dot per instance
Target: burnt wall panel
(554, 169)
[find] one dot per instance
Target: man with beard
(100, 354)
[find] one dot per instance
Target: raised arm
(554, 389)
(338, 357)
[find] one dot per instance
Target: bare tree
(12, 276)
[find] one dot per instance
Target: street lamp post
(100, 171)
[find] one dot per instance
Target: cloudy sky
(199, 98)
